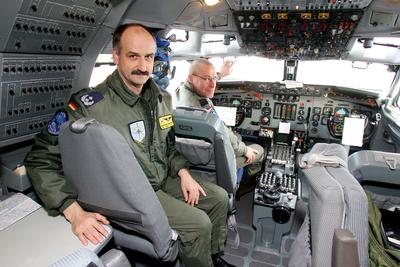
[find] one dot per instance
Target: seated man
(129, 101)
(196, 92)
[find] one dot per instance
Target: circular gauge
(264, 120)
(239, 117)
(247, 104)
(340, 113)
(366, 113)
(257, 104)
(266, 111)
(327, 110)
(223, 101)
(336, 122)
(236, 102)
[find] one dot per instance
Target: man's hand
(226, 68)
(87, 226)
(250, 154)
(190, 188)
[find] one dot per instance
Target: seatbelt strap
(232, 225)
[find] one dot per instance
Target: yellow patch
(166, 121)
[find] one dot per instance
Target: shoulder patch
(54, 125)
(207, 104)
(203, 103)
(91, 98)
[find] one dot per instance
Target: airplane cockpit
(315, 83)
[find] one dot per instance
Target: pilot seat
(109, 180)
(201, 137)
(335, 230)
(203, 140)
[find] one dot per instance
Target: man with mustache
(128, 100)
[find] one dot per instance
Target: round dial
(266, 111)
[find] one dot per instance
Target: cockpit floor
(249, 255)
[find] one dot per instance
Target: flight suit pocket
(188, 240)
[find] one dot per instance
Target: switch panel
(33, 87)
(47, 27)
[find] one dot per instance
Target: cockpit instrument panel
(311, 108)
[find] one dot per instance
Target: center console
(276, 191)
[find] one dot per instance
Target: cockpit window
(375, 77)
(251, 68)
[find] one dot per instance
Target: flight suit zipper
(151, 148)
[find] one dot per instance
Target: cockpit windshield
(374, 77)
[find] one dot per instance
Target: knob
(281, 214)
(271, 196)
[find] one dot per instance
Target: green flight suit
(202, 229)
(185, 96)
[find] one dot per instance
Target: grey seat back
(377, 171)
(201, 137)
(109, 180)
(336, 201)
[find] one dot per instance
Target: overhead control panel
(297, 5)
(297, 29)
(47, 27)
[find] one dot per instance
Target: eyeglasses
(207, 79)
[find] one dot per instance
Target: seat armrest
(115, 258)
(344, 250)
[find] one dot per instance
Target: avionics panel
(311, 108)
(33, 87)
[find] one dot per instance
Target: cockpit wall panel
(47, 51)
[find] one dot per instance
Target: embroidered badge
(91, 98)
(166, 121)
(138, 131)
(54, 125)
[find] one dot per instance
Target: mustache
(139, 72)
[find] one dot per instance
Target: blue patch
(54, 125)
(91, 98)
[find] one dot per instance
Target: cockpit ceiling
(279, 29)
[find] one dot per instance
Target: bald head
(198, 64)
(134, 27)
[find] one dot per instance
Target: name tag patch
(166, 121)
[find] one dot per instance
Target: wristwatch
(219, 77)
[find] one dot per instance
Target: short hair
(195, 64)
(116, 38)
